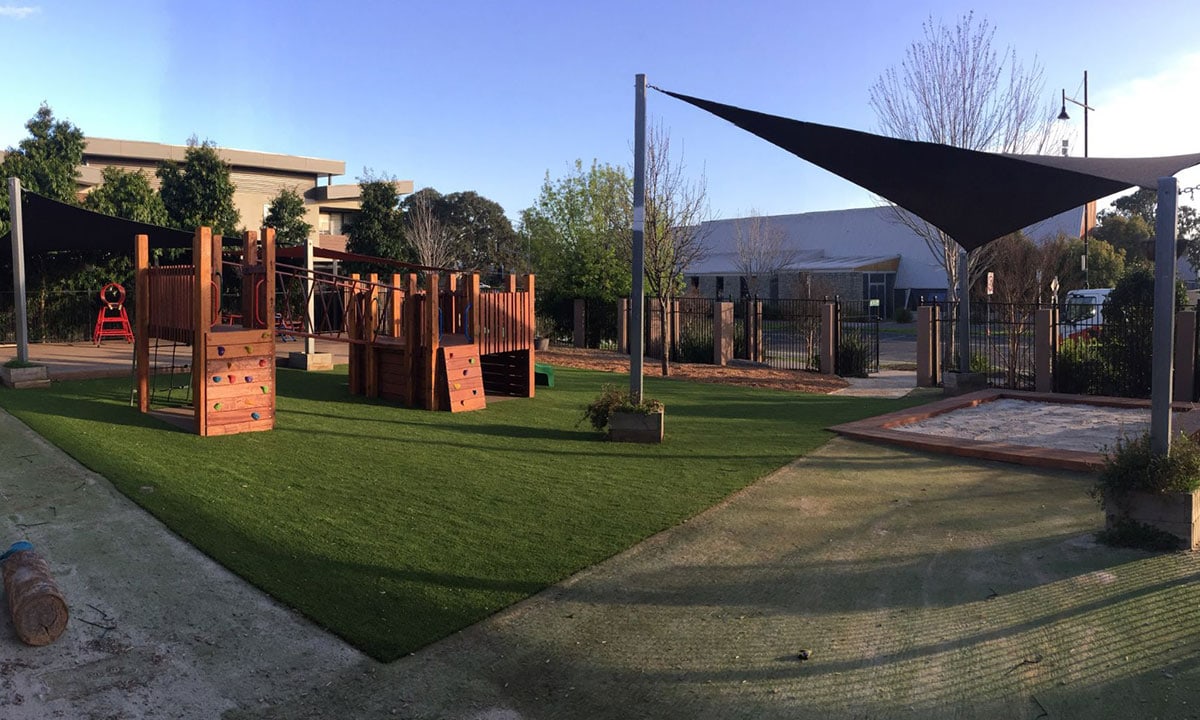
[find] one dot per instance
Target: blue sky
(489, 96)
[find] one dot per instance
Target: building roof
(157, 152)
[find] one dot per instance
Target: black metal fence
(54, 316)
(694, 334)
(1105, 355)
(791, 332)
(1001, 342)
(857, 340)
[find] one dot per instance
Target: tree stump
(38, 609)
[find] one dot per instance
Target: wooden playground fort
(440, 345)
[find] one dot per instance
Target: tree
(428, 238)
(199, 192)
(378, 228)
(576, 236)
(47, 161)
(127, 194)
(762, 249)
(1105, 263)
(1128, 233)
(676, 208)
(1131, 223)
(483, 235)
(953, 88)
(286, 214)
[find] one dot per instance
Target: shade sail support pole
(21, 309)
(637, 295)
(1164, 315)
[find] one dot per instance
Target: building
(257, 176)
(861, 253)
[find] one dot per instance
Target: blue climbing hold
(216, 378)
(254, 415)
(220, 350)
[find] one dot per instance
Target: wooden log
(38, 609)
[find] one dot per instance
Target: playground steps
(460, 373)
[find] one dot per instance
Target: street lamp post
(1086, 220)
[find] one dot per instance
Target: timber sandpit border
(882, 429)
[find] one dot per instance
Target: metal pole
(964, 314)
(1164, 316)
(21, 319)
(1087, 259)
(310, 343)
(637, 300)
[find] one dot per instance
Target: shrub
(693, 347)
(1133, 467)
(903, 315)
(1127, 336)
(1081, 368)
(611, 400)
(853, 358)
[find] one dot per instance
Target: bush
(1133, 467)
(613, 400)
(903, 315)
(853, 358)
(693, 347)
(1127, 335)
(1081, 368)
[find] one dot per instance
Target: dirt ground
(736, 373)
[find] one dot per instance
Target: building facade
(257, 176)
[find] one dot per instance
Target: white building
(862, 253)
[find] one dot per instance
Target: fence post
(826, 342)
(722, 332)
(1185, 355)
(1043, 350)
(623, 325)
(926, 346)
(580, 334)
(754, 339)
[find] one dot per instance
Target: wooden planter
(1174, 513)
(24, 377)
(636, 427)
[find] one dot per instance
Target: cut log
(39, 611)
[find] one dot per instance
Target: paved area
(883, 384)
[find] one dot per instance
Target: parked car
(1083, 314)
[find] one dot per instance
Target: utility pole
(637, 300)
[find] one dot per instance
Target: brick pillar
(722, 332)
(1185, 356)
(927, 349)
(623, 325)
(580, 318)
(1044, 327)
(826, 341)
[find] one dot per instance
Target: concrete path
(883, 384)
(918, 587)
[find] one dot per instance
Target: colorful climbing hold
(220, 351)
(470, 361)
(458, 386)
(216, 406)
(262, 362)
(263, 388)
(216, 378)
(232, 379)
(249, 349)
(229, 365)
(255, 416)
(249, 379)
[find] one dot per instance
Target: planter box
(1174, 513)
(26, 377)
(636, 427)
(541, 343)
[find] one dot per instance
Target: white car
(1083, 313)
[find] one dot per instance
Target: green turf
(395, 527)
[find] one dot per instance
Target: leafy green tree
(1132, 221)
(286, 214)
(1105, 263)
(378, 228)
(128, 195)
(199, 192)
(47, 161)
(483, 235)
(576, 236)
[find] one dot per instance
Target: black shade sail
(974, 197)
(54, 226)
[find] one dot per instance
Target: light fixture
(1063, 115)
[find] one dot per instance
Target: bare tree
(676, 208)
(432, 243)
(954, 88)
(762, 249)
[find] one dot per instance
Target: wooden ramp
(460, 375)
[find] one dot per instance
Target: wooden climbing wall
(239, 382)
(460, 377)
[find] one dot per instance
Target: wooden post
(926, 347)
(828, 351)
(410, 330)
(475, 322)
(250, 307)
(1044, 328)
(201, 325)
(370, 355)
(268, 263)
(354, 331)
(529, 331)
(395, 298)
(429, 381)
(510, 283)
(722, 332)
(141, 319)
(450, 321)
(1185, 355)
(217, 244)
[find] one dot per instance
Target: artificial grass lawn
(395, 527)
